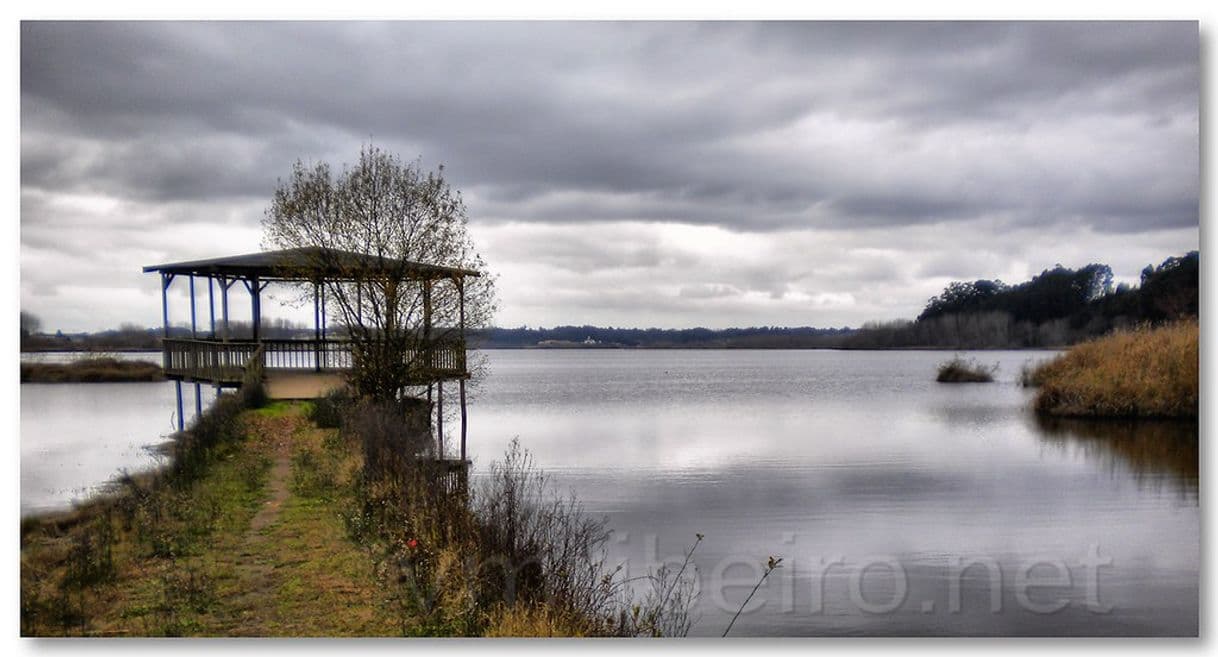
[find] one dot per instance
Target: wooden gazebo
(299, 367)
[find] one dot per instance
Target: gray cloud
(576, 131)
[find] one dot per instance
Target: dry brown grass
(91, 370)
(525, 620)
(1143, 372)
(959, 370)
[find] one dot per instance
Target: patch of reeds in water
(1146, 372)
(959, 370)
(100, 369)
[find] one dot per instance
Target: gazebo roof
(307, 264)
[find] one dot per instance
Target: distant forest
(1058, 307)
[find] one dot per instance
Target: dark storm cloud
(748, 127)
(657, 112)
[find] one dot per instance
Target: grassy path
(293, 572)
(260, 550)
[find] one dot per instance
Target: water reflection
(804, 454)
(813, 455)
(77, 436)
(1151, 451)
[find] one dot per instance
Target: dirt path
(293, 571)
(277, 486)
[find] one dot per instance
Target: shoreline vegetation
(1144, 372)
(959, 370)
(309, 519)
(98, 369)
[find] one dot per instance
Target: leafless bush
(395, 436)
(537, 545)
(510, 556)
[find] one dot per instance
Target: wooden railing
(203, 360)
(307, 354)
(224, 362)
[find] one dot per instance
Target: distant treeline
(132, 337)
(762, 337)
(1058, 307)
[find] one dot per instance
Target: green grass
(155, 540)
(278, 409)
(253, 544)
(1148, 372)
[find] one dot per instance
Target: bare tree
(369, 228)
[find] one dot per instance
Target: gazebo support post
(194, 329)
(166, 281)
(255, 289)
(225, 283)
(194, 334)
(211, 317)
(316, 327)
(427, 338)
(211, 307)
(440, 418)
(181, 421)
(461, 382)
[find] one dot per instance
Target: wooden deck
(297, 384)
(224, 362)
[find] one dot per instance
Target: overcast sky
(625, 174)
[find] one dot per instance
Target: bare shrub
(327, 412)
(395, 436)
(959, 370)
(543, 547)
(511, 556)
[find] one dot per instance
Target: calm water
(861, 458)
(76, 437)
(897, 504)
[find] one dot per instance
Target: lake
(77, 436)
(898, 505)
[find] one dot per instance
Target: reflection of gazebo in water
(302, 368)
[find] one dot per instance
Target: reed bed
(959, 370)
(1145, 372)
(102, 369)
